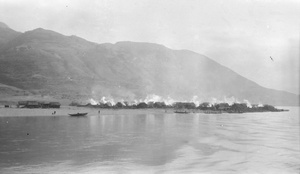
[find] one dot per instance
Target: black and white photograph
(149, 87)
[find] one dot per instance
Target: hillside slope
(48, 63)
(6, 34)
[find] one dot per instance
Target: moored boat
(182, 112)
(79, 114)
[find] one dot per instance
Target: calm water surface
(152, 143)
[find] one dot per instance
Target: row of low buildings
(38, 104)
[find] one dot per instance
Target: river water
(152, 143)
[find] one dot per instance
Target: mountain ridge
(45, 62)
(6, 33)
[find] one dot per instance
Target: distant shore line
(96, 111)
(66, 110)
(180, 107)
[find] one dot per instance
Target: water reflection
(227, 143)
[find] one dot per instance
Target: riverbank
(65, 110)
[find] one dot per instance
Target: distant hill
(46, 63)
(6, 34)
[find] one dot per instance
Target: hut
(239, 107)
(45, 104)
(54, 105)
(150, 104)
(160, 105)
(184, 105)
(119, 105)
(223, 106)
(142, 105)
(32, 104)
(22, 104)
(204, 106)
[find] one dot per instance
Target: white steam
(248, 103)
(196, 100)
(153, 98)
(260, 105)
(168, 100)
(93, 102)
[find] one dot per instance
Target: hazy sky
(239, 34)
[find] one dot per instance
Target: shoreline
(65, 110)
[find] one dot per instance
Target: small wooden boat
(182, 112)
(78, 114)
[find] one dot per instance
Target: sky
(241, 35)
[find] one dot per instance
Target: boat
(79, 114)
(182, 112)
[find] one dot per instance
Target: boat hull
(78, 114)
(181, 112)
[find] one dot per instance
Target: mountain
(6, 33)
(46, 63)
